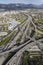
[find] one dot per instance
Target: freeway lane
(14, 41)
(14, 59)
(12, 48)
(16, 50)
(16, 37)
(35, 26)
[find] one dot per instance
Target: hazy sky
(22, 1)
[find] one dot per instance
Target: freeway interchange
(21, 41)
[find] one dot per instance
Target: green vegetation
(40, 29)
(28, 59)
(38, 36)
(7, 38)
(18, 40)
(40, 21)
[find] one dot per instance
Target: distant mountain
(41, 6)
(18, 6)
